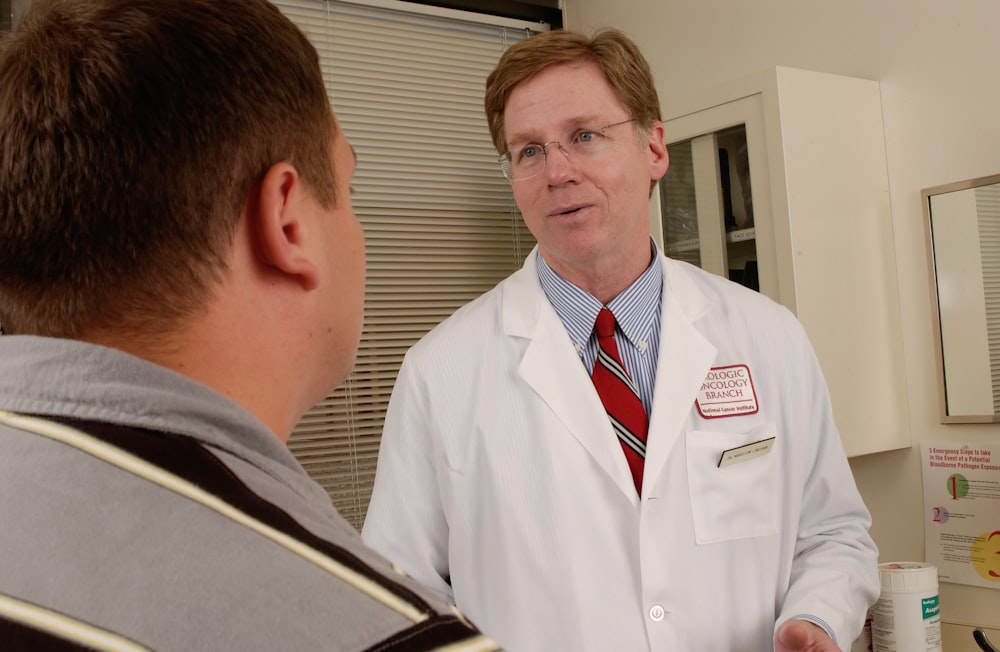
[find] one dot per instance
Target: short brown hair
(131, 132)
(614, 53)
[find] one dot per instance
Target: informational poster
(962, 512)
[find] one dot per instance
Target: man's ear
(659, 159)
(276, 219)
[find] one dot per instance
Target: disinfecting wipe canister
(907, 616)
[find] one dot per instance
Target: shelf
(682, 245)
(741, 235)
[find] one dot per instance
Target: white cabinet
(815, 226)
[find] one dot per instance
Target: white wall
(937, 63)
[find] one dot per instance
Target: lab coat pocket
(738, 498)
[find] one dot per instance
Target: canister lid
(908, 576)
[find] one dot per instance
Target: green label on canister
(930, 606)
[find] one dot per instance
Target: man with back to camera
(181, 278)
(673, 481)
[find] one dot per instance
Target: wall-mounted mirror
(963, 227)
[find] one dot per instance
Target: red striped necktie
(620, 397)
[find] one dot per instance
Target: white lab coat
(501, 483)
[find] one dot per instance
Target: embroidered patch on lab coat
(727, 392)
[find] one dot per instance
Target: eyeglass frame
(505, 160)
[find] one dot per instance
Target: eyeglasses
(529, 160)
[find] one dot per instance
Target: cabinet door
(707, 205)
(721, 243)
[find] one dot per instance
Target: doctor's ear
(275, 219)
(659, 157)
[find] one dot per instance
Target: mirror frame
(926, 194)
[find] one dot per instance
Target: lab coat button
(657, 613)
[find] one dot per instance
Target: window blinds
(439, 218)
(988, 210)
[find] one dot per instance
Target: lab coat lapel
(552, 368)
(684, 359)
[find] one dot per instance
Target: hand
(803, 636)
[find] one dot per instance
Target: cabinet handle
(982, 641)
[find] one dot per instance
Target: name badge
(727, 392)
(747, 452)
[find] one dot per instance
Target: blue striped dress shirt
(636, 309)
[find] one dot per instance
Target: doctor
(730, 521)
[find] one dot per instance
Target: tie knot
(605, 324)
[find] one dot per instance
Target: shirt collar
(636, 308)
